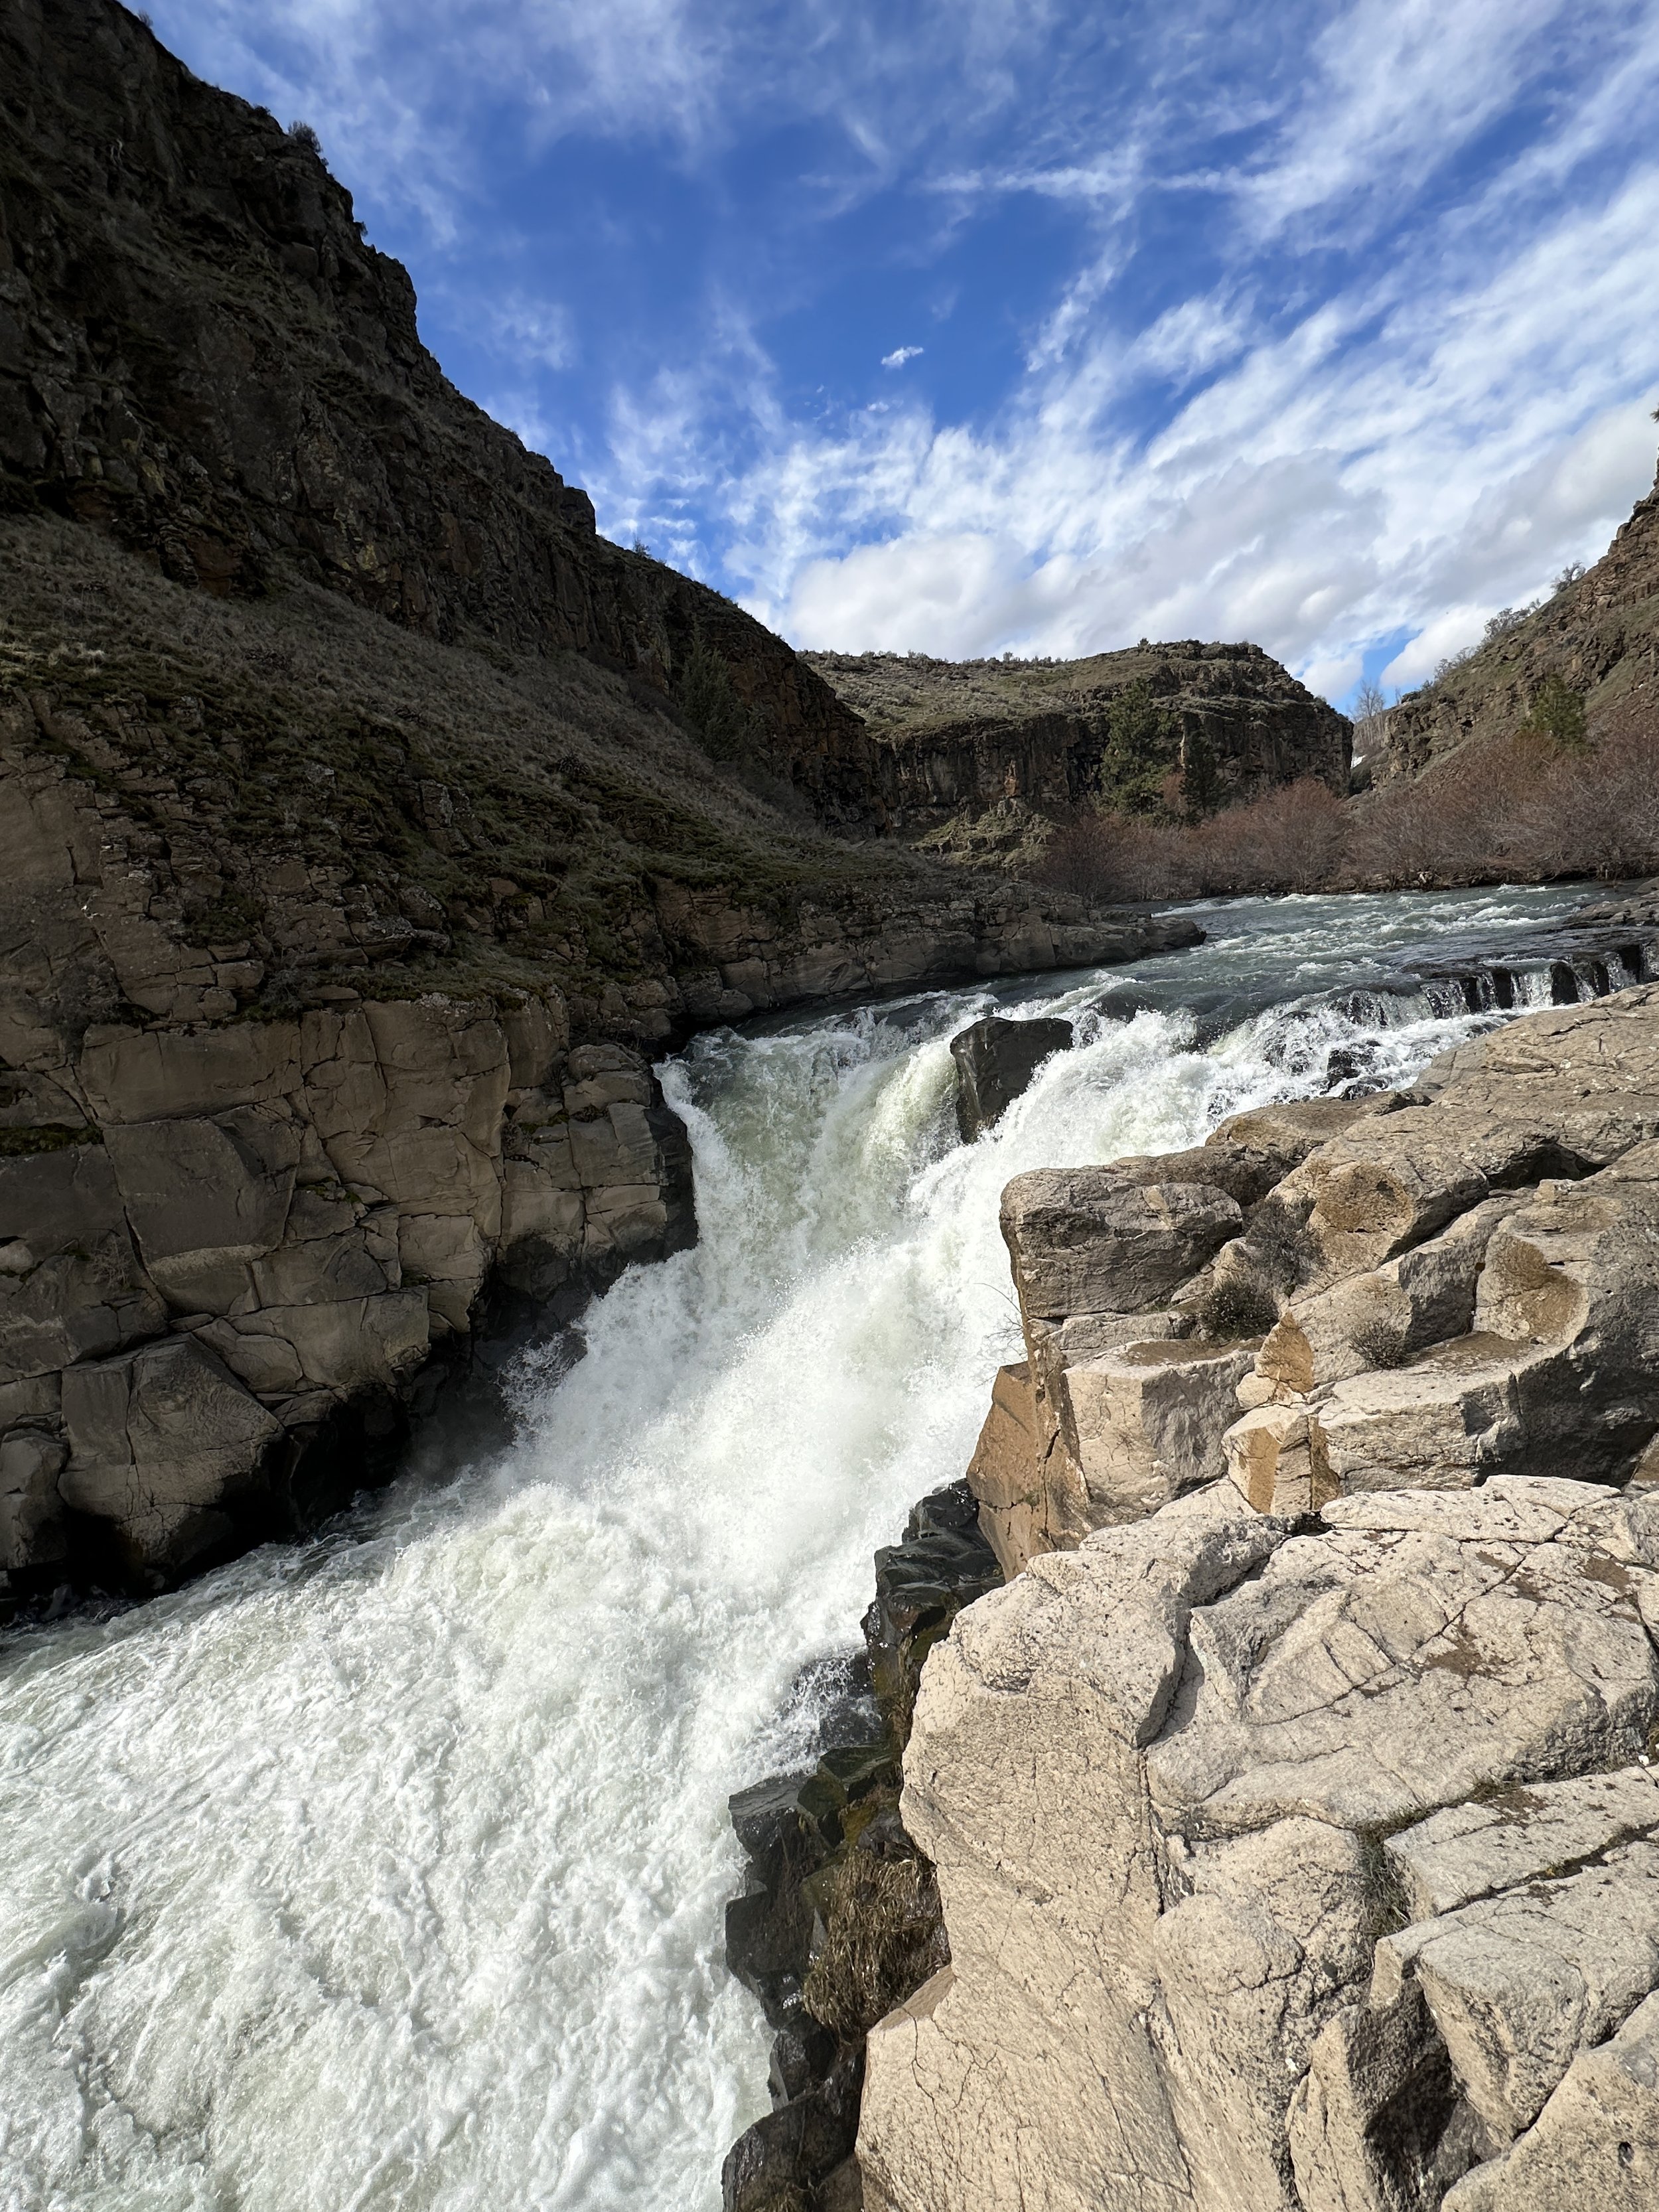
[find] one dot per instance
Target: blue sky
(970, 325)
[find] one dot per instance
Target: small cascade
(1495, 988)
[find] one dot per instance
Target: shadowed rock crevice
(841, 1920)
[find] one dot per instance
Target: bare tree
(1370, 719)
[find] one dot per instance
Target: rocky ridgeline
(978, 755)
(1292, 1808)
(1598, 632)
(201, 354)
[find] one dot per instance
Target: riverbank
(420, 1826)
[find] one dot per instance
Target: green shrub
(711, 703)
(1139, 753)
(1558, 713)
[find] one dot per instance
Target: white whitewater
(388, 1870)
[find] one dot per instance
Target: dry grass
(884, 1934)
(300, 724)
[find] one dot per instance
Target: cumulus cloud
(900, 354)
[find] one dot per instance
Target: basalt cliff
(979, 758)
(1597, 633)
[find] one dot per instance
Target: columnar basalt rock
(982, 756)
(1134, 1353)
(245, 1229)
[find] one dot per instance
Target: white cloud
(900, 354)
(1408, 401)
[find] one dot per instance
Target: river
(387, 1870)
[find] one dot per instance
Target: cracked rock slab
(1179, 1785)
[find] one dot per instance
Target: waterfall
(388, 1869)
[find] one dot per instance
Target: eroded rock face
(1123, 1401)
(1250, 1846)
(1342, 1295)
(989, 747)
(245, 1229)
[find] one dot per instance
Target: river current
(387, 1870)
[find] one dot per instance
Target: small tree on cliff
(710, 703)
(1201, 777)
(1139, 753)
(1558, 713)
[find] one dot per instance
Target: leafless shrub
(1528, 807)
(1291, 840)
(1237, 1306)
(1381, 1343)
(884, 1936)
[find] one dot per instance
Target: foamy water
(389, 1869)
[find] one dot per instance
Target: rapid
(387, 1870)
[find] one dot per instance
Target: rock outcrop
(200, 353)
(995, 1062)
(982, 755)
(1292, 1807)
(1292, 1867)
(1346, 1294)
(230, 1241)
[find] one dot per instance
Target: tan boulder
(1088, 1240)
(1005, 1473)
(1152, 1775)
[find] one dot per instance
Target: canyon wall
(363, 839)
(290, 1094)
(978, 744)
(201, 354)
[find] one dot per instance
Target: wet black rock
(995, 1062)
(791, 2160)
(943, 1564)
(841, 1918)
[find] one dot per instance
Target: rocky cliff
(970, 751)
(362, 831)
(200, 354)
(1598, 633)
(1290, 1808)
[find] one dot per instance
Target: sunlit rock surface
(1269, 1878)
(1423, 1288)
